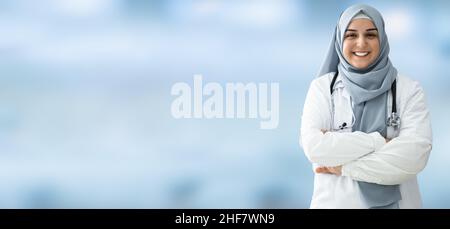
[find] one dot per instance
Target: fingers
(322, 170)
(330, 170)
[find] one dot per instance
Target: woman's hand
(336, 170)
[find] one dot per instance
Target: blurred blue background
(85, 99)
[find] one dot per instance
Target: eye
(350, 35)
(372, 35)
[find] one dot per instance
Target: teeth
(361, 53)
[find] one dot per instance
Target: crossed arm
(336, 170)
(367, 157)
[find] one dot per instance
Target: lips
(360, 54)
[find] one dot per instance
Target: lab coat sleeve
(404, 156)
(331, 148)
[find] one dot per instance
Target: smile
(361, 54)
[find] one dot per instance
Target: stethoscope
(392, 121)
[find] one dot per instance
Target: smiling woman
(373, 162)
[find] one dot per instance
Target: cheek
(375, 47)
(346, 49)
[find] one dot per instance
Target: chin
(360, 66)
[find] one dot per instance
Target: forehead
(361, 24)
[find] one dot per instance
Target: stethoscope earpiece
(343, 126)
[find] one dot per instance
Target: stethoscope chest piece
(393, 120)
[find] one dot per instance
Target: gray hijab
(368, 89)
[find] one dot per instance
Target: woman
(365, 128)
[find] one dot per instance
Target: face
(361, 45)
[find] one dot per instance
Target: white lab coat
(364, 156)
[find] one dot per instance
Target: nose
(361, 42)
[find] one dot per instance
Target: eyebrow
(354, 30)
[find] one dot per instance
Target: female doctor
(365, 128)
